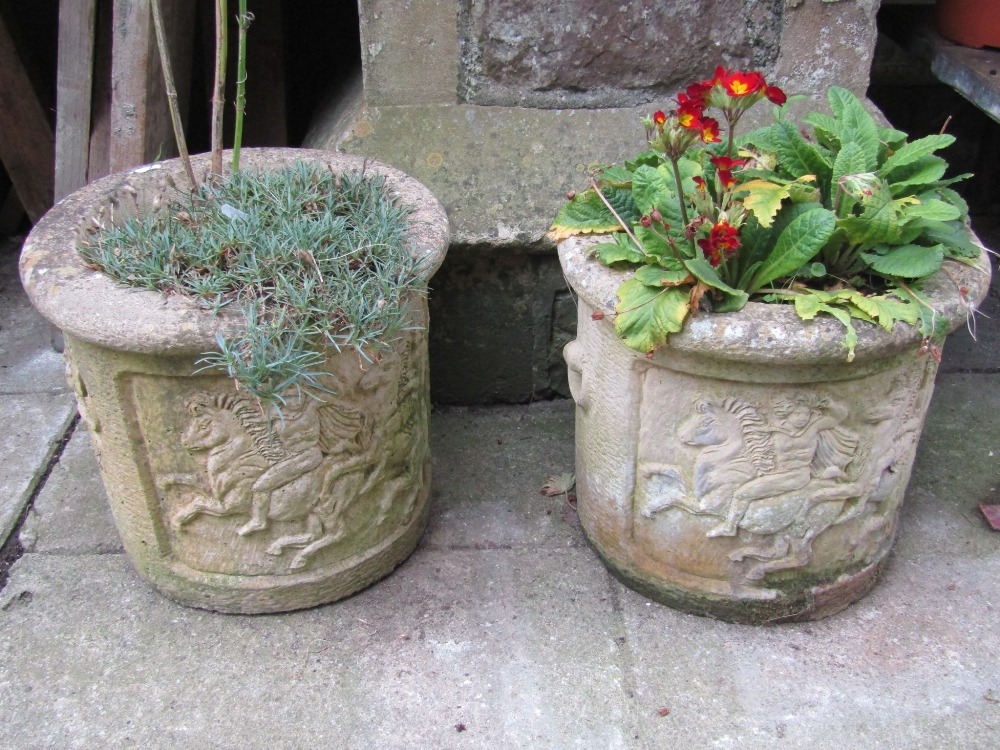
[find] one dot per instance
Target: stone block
(605, 53)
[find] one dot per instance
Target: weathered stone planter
(184, 456)
(747, 471)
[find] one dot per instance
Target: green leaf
(892, 137)
(658, 276)
(928, 170)
(797, 245)
(876, 225)
(796, 156)
(856, 124)
(808, 306)
(617, 175)
(889, 309)
(826, 128)
(584, 214)
(646, 315)
(707, 274)
(933, 210)
(955, 238)
(915, 151)
(905, 261)
(618, 251)
(763, 199)
(850, 161)
(650, 188)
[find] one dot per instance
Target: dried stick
(168, 81)
(219, 90)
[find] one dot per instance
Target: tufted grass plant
(309, 257)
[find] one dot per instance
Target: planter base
(770, 607)
(266, 594)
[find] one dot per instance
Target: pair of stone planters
(180, 451)
(748, 471)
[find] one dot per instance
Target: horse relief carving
(780, 475)
(289, 478)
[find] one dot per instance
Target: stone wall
(500, 107)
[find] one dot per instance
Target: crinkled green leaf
(950, 196)
(911, 178)
(856, 124)
(850, 161)
(763, 199)
(874, 226)
(915, 151)
(892, 137)
(707, 274)
(647, 315)
(587, 214)
(649, 188)
(933, 210)
(905, 261)
(955, 238)
(620, 251)
(797, 245)
(659, 276)
(796, 156)
(617, 175)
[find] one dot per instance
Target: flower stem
(680, 191)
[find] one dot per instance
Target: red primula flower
(699, 182)
(722, 242)
(659, 117)
(710, 130)
(775, 95)
(726, 162)
(726, 178)
(740, 83)
(699, 90)
(689, 119)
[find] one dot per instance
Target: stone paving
(503, 630)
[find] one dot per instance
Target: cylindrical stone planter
(748, 471)
(219, 505)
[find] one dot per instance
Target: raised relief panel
(761, 475)
(264, 493)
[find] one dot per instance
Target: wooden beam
(74, 85)
(140, 121)
(27, 147)
(99, 161)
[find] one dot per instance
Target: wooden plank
(74, 83)
(99, 161)
(140, 121)
(27, 146)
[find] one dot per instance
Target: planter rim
(87, 304)
(766, 333)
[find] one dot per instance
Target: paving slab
(71, 514)
(519, 648)
(33, 425)
(35, 405)
(489, 468)
(28, 363)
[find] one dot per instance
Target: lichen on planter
(220, 504)
(747, 471)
